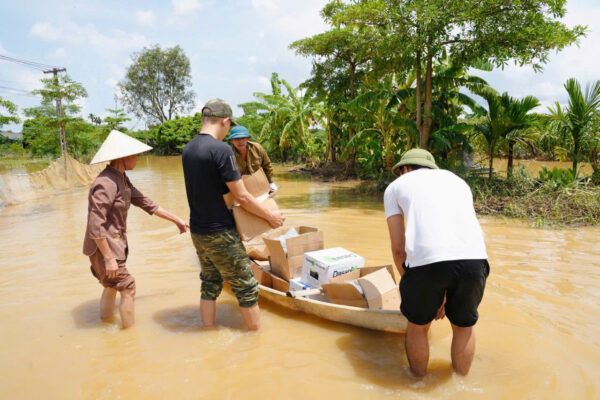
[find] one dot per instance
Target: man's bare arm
(397, 240)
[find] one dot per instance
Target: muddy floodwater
(538, 335)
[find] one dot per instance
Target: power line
(18, 94)
(31, 64)
(15, 89)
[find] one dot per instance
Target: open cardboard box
(261, 275)
(378, 284)
(267, 278)
(247, 224)
(289, 266)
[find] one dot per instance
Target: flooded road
(538, 335)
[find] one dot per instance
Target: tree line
(390, 75)
(387, 76)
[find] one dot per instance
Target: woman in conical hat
(105, 241)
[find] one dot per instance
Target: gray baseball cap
(218, 108)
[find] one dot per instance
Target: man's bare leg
(251, 317)
(107, 303)
(417, 348)
(126, 308)
(463, 348)
(208, 311)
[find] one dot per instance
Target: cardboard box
(257, 252)
(297, 284)
(247, 224)
(289, 265)
(345, 294)
(341, 291)
(322, 266)
(261, 275)
(380, 290)
(279, 284)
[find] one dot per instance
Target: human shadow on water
(188, 319)
(87, 315)
(380, 358)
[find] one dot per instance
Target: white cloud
(186, 6)
(112, 83)
(87, 35)
(116, 73)
(184, 12)
(264, 81)
(295, 19)
(146, 18)
(2, 50)
(252, 59)
(197, 106)
(85, 110)
(27, 80)
(59, 54)
(266, 4)
(582, 61)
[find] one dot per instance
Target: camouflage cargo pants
(223, 256)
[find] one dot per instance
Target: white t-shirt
(441, 224)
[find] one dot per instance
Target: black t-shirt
(207, 165)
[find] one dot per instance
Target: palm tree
(576, 118)
(506, 119)
(518, 113)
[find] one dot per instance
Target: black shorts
(422, 290)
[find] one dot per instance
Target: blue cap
(238, 132)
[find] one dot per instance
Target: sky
(233, 47)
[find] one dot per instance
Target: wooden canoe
(379, 320)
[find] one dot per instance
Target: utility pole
(59, 113)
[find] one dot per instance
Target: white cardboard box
(297, 284)
(323, 265)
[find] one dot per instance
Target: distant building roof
(12, 135)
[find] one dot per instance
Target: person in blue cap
(250, 156)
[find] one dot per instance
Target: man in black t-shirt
(210, 171)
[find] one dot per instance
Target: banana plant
(380, 118)
(286, 118)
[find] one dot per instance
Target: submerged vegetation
(543, 201)
(388, 76)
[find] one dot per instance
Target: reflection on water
(538, 335)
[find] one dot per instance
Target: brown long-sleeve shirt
(256, 158)
(109, 199)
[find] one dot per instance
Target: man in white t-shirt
(439, 250)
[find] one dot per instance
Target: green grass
(29, 164)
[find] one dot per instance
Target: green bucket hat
(218, 108)
(415, 157)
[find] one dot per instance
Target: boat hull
(379, 320)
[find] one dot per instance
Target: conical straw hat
(118, 145)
